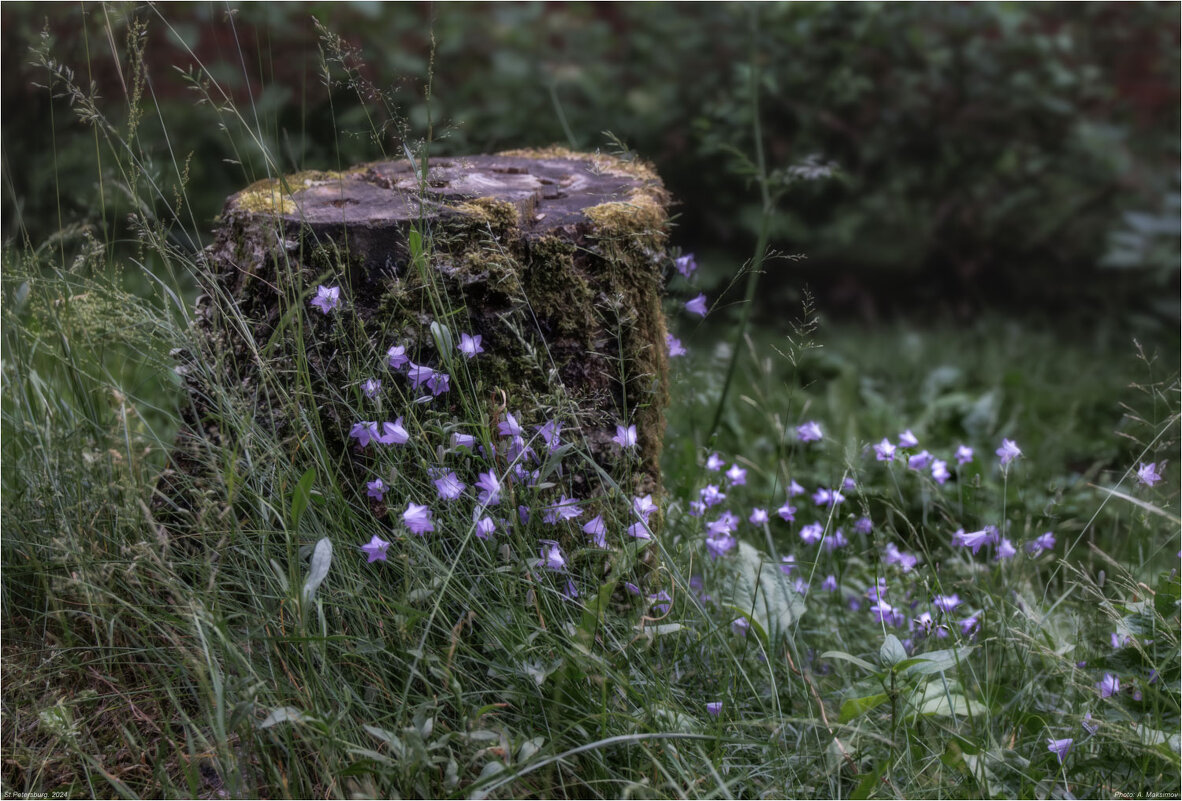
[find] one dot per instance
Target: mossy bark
(554, 257)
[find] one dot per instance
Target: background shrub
(988, 154)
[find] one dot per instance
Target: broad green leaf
(853, 660)
(300, 496)
(484, 736)
(664, 628)
(593, 615)
(487, 772)
(444, 344)
(529, 748)
(1156, 737)
(869, 783)
(934, 661)
(321, 559)
(763, 593)
(937, 699)
(283, 714)
(892, 651)
(389, 738)
(280, 574)
(856, 707)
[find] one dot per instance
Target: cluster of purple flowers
(520, 449)
(686, 266)
(904, 449)
(921, 620)
(937, 616)
(720, 531)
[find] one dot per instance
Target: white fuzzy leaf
(321, 559)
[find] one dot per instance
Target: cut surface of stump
(555, 259)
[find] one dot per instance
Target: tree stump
(554, 258)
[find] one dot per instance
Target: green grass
(413, 677)
(153, 653)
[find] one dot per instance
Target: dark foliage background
(1014, 155)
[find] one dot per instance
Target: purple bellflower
(719, 544)
(376, 489)
(711, 495)
(893, 556)
(364, 432)
(1006, 549)
(625, 437)
(449, 487)
(1042, 543)
(686, 265)
(439, 383)
(964, 454)
(812, 533)
(1147, 474)
(551, 434)
(697, 306)
(975, 539)
(375, 549)
(940, 471)
(640, 530)
(1059, 747)
(418, 519)
(920, 461)
(884, 451)
(327, 298)
(836, 540)
(644, 507)
(394, 433)
(660, 602)
(396, 357)
(552, 557)
(419, 374)
(596, 529)
(809, 432)
(564, 509)
(485, 527)
(371, 388)
(737, 476)
(470, 345)
(1008, 452)
(675, 347)
(509, 427)
(714, 462)
(946, 603)
(490, 489)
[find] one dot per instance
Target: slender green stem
(756, 267)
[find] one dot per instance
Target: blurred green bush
(990, 154)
